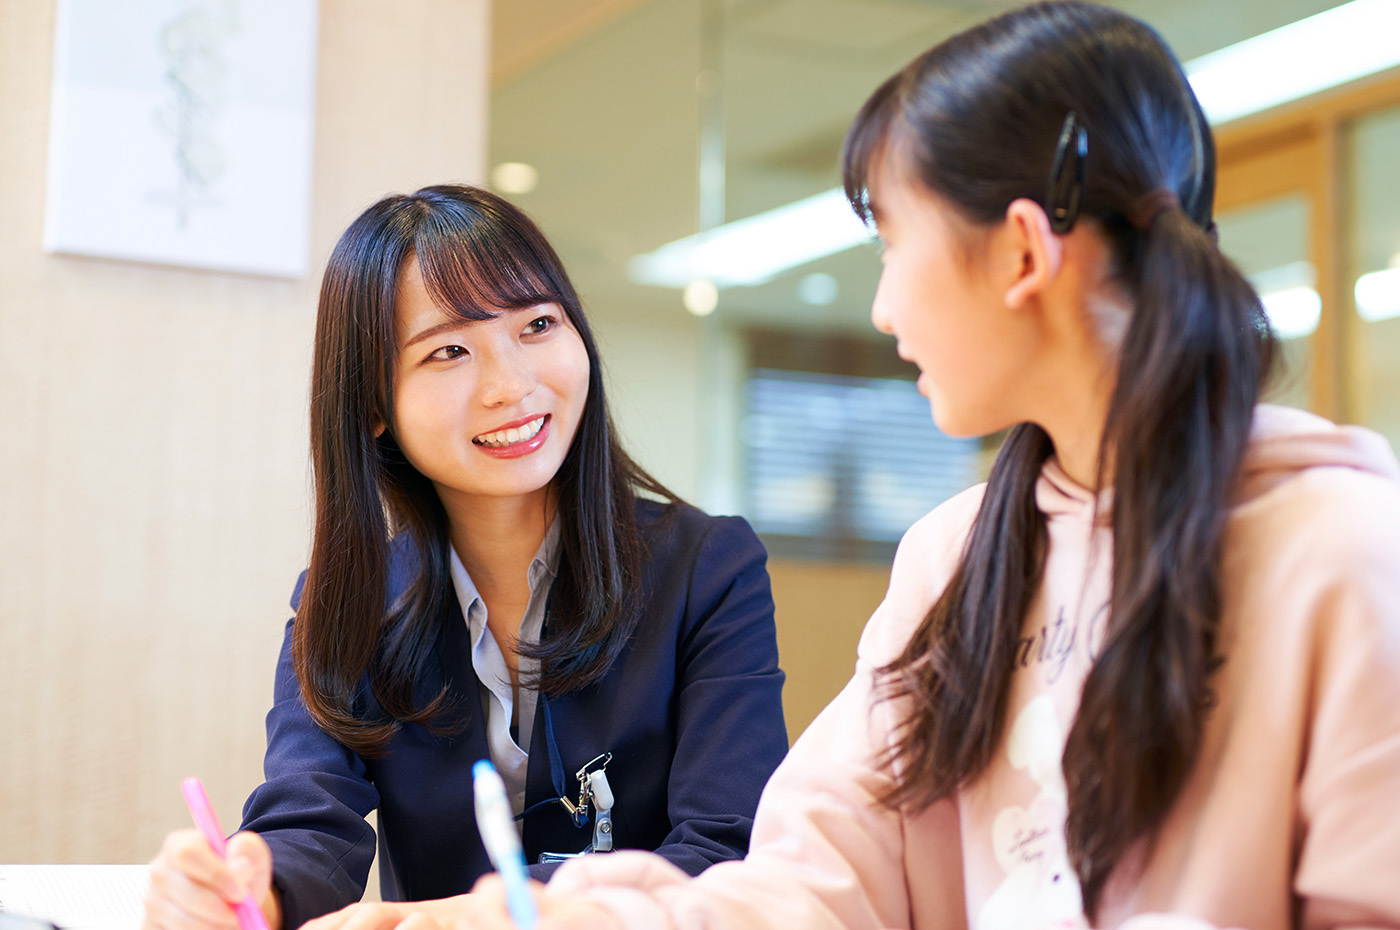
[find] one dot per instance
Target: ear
(379, 428)
(1039, 252)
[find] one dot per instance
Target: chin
(960, 427)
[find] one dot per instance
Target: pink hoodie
(1291, 817)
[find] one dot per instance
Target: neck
(497, 537)
(1084, 377)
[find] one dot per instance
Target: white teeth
(511, 436)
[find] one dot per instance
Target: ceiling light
(818, 289)
(514, 177)
(1302, 58)
(700, 297)
(1378, 295)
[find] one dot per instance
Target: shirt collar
(543, 568)
(546, 558)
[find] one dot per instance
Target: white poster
(181, 132)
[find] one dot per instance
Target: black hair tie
(1150, 206)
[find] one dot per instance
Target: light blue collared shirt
(498, 699)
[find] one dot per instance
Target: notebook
(76, 897)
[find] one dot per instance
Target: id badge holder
(594, 787)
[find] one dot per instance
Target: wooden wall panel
(153, 468)
(821, 610)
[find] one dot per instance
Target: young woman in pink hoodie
(1149, 674)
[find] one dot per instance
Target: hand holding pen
(193, 886)
(250, 916)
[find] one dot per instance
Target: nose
(880, 315)
(507, 377)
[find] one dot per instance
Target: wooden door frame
(1301, 148)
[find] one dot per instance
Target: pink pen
(250, 916)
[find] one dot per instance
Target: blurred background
(154, 478)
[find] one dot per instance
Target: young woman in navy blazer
(475, 510)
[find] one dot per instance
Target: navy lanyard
(556, 773)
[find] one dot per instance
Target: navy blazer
(690, 710)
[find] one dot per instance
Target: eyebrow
(431, 331)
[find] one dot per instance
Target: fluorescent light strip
(1297, 60)
(1302, 58)
(753, 250)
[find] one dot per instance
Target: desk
(76, 897)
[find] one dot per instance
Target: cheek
(569, 376)
(580, 378)
(910, 312)
(573, 372)
(410, 427)
(427, 413)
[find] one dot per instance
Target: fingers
(486, 908)
(374, 915)
(190, 887)
(250, 862)
(420, 921)
(569, 913)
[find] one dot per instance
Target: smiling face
(485, 409)
(948, 311)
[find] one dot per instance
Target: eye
(540, 325)
(447, 353)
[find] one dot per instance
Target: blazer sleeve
(311, 809)
(730, 733)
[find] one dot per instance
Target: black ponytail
(979, 118)
(1194, 356)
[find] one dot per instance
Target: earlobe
(1040, 251)
(379, 428)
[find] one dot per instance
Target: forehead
(412, 302)
(417, 311)
(890, 184)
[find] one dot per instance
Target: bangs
(869, 133)
(477, 265)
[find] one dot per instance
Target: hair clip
(1066, 187)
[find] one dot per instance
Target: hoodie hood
(1283, 441)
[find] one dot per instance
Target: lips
(522, 430)
(531, 434)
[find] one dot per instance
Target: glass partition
(661, 122)
(1372, 265)
(1269, 241)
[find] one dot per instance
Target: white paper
(76, 897)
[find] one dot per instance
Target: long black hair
(480, 256)
(978, 120)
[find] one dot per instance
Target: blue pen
(497, 827)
